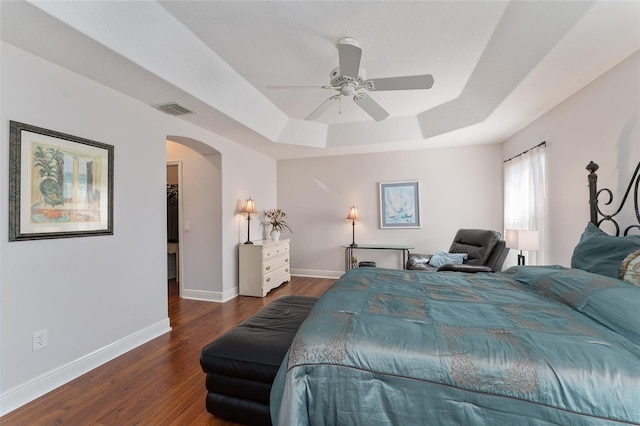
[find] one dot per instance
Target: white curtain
(524, 200)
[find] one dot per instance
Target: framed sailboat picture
(400, 204)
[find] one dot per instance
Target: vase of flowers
(276, 218)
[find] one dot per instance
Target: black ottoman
(242, 364)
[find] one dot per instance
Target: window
(524, 199)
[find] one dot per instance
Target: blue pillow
(600, 253)
(444, 258)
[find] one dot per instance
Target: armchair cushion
(419, 261)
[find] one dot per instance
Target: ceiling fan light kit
(349, 79)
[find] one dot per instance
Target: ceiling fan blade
(370, 106)
(409, 82)
(349, 53)
(287, 87)
(322, 108)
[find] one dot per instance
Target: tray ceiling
(497, 65)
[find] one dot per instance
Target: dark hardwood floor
(160, 382)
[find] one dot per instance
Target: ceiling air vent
(174, 108)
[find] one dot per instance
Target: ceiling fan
(350, 80)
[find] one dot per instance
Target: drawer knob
(268, 279)
(268, 267)
(286, 260)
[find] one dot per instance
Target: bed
(530, 345)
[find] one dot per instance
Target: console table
(348, 252)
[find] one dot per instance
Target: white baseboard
(38, 386)
(316, 273)
(210, 296)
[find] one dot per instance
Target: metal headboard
(597, 215)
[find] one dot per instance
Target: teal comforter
(531, 345)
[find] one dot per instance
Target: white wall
(601, 122)
(459, 188)
(100, 296)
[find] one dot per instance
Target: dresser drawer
(271, 265)
(273, 250)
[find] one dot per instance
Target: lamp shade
(520, 239)
(353, 213)
(249, 207)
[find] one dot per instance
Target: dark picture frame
(60, 186)
(400, 204)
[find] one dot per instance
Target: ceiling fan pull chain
(340, 106)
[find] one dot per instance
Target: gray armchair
(485, 249)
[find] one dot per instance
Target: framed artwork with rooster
(60, 186)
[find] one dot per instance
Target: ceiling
(497, 65)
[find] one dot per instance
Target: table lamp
(352, 216)
(520, 239)
(249, 208)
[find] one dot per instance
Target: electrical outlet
(40, 340)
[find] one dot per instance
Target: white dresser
(264, 265)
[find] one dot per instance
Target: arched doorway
(200, 217)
